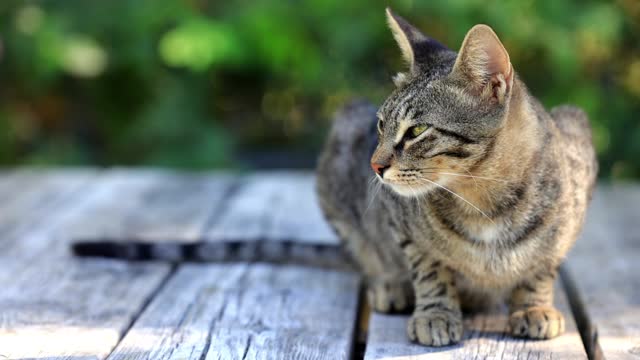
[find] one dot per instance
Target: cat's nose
(379, 168)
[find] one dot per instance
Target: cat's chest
(475, 250)
(458, 231)
(485, 233)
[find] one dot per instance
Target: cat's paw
(435, 328)
(391, 296)
(537, 322)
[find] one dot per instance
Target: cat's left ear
(417, 48)
(484, 64)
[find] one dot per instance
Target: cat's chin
(410, 191)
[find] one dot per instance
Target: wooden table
(55, 306)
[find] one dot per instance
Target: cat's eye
(415, 131)
(380, 125)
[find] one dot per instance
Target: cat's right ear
(484, 64)
(415, 46)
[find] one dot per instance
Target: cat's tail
(277, 252)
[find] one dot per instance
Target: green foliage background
(192, 84)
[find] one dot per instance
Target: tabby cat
(473, 193)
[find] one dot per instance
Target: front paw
(435, 328)
(537, 322)
(391, 296)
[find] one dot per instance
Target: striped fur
(482, 206)
(280, 252)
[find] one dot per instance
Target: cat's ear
(484, 64)
(416, 47)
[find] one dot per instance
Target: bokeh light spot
(197, 44)
(29, 19)
(84, 57)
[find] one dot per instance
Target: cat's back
(576, 138)
(572, 121)
(343, 167)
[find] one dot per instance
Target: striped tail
(276, 252)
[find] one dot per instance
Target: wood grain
(253, 311)
(247, 311)
(274, 217)
(70, 309)
(605, 267)
(154, 205)
(29, 198)
(58, 307)
(268, 216)
(273, 206)
(485, 338)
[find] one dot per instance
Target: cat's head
(445, 111)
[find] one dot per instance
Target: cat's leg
(437, 318)
(532, 312)
(387, 278)
(390, 294)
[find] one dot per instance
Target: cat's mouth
(408, 185)
(408, 190)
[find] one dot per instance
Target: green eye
(415, 131)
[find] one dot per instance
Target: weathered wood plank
(298, 215)
(29, 196)
(605, 267)
(155, 205)
(67, 308)
(247, 311)
(12, 187)
(55, 306)
(273, 206)
(120, 194)
(6, 186)
(485, 338)
(254, 311)
(275, 217)
(269, 216)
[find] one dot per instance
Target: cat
(460, 189)
(475, 193)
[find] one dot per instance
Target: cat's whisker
(461, 198)
(486, 190)
(372, 181)
(378, 186)
(463, 175)
(415, 196)
(474, 179)
(475, 176)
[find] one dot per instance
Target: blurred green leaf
(198, 44)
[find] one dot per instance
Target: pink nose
(379, 168)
